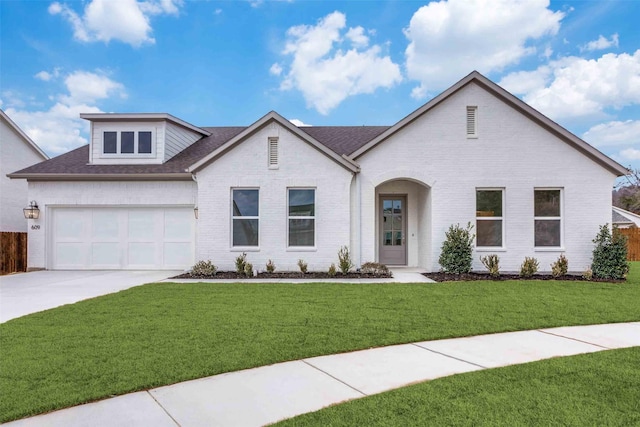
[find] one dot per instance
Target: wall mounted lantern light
(32, 211)
(195, 211)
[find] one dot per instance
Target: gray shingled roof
(617, 218)
(341, 139)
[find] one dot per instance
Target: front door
(393, 220)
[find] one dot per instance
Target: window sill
(549, 249)
(245, 249)
(302, 249)
(274, 167)
(490, 249)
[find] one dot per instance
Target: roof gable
(23, 135)
(514, 102)
(263, 121)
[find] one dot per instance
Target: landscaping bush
(529, 267)
(491, 263)
(344, 260)
(248, 269)
(588, 274)
(204, 268)
(332, 270)
(610, 254)
(241, 260)
(374, 268)
(560, 267)
(456, 249)
(302, 265)
(271, 267)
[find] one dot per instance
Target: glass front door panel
(392, 222)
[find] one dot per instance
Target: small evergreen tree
(610, 254)
(455, 256)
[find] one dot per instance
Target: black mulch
(286, 275)
(452, 277)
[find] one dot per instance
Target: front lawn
(160, 334)
(596, 389)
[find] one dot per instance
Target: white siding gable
(177, 139)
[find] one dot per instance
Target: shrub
(456, 249)
(241, 260)
(588, 274)
(302, 265)
(610, 254)
(332, 270)
(374, 268)
(344, 260)
(491, 263)
(204, 268)
(529, 267)
(248, 269)
(271, 267)
(560, 267)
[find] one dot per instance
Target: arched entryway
(403, 222)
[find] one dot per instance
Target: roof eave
(26, 137)
(182, 176)
(110, 117)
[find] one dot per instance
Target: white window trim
(244, 248)
(135, 154)
(550, 218)
(473, 108)
(486, 218)
(314, 217)
(273, 140)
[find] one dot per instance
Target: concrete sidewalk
(264, 395)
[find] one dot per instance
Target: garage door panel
(122, 238)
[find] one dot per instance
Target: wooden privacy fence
(13, 252)
(633, 244)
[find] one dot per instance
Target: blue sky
(226, 63)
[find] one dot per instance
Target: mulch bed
(286, 275)
(452, 277)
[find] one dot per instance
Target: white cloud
(299, 122)
(578, 87)
(46, 76)
(59, 128)
(601, 43)
(89, 87)
(325, 73)
(630, 154)
(123, 20)
(448, 39)
(275, 69)
(614, 133)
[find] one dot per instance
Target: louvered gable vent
(273, 152)
(472, 122)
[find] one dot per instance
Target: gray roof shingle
(340, 139)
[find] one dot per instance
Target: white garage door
(122, 238)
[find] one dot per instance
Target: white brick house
(473, 154)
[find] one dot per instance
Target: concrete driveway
(26, 293)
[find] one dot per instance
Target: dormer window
(127, 142)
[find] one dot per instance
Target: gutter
(102, 176)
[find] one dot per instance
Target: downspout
(359, 209)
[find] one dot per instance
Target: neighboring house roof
(513, 101)
(620, 216)
(24, 136)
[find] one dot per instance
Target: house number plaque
(35, 227)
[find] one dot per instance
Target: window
(245, 217)
(302, 217)
(548, 218)
(127, 142)
(273, 153)
(489, 218)
(472, 122)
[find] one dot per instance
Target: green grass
(586, 390)
(160, 334)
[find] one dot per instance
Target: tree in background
(627, 195)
